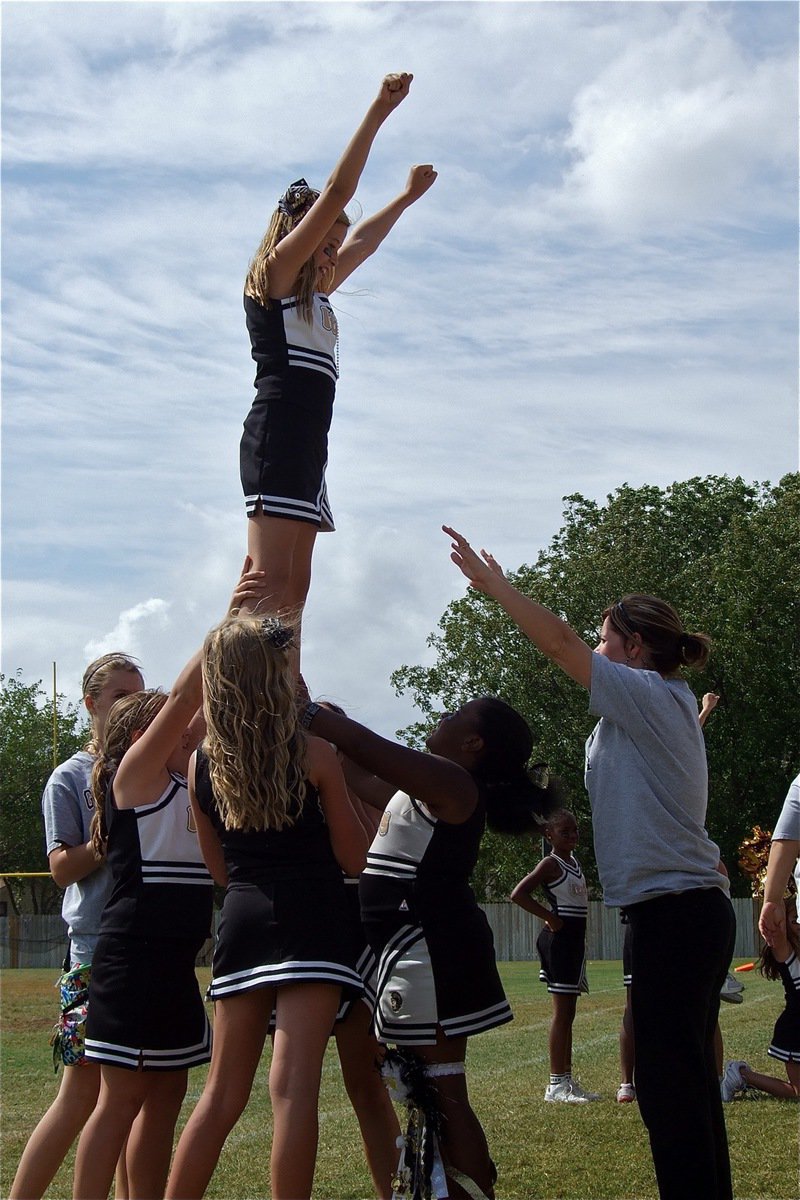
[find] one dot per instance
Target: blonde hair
(668, 644)
(128, 715)
(256, 284)
(254, 743)
(95, 678)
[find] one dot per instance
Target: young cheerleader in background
(302, 259)
(780, 961)
(147, 1023)
(561, 946)
(277, 827)
(67, 807)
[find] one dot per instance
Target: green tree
(26, 762)
(725, 553)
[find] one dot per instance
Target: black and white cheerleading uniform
(563, 954)
(436, 964)
(785, 1043)
(366, 961)
(284, 917)
(145, 1006)
(284, 448)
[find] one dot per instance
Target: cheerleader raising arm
(368, 234)
(316, 228)
(441, 784)
(141, 776)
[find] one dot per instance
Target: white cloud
(131, 630)
(601, 288)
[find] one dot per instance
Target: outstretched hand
(394, 89)
(420, 178)
(480, 571)
(251, 585)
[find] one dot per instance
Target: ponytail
(128, 715)
(518, 804)
(517, 799)
(667, 643)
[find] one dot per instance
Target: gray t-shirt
(788, 826)
(68, 808)
(647, 781)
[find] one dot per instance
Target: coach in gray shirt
(647, 783)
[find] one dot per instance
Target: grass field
(543, 1151)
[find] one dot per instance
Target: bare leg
(240, 1030)
(149, 1147)
(359, 1054)
(304, 1018)
(50, 1141)
(121, 1186)
(560, 1042)
(788, 1090)
(463, 1141)
(627, 1055)
(283, 549)
(122, 1094)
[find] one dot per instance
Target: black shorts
(785, 1044)
(366, 963)
(283, 453)
(284, 931)
(145, 1005)
(437, 972)
(563, 958)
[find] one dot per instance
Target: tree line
(725, 553)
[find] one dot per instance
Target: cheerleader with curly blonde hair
(276, 828)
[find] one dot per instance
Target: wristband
(308, 714)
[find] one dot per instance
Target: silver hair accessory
(276, 633)
(297, 197)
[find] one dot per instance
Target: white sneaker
(577, 1090)
(569, 1092)
(732, 1082)
(626, 1093)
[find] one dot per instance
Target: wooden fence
(36, 941)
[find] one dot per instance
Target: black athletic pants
(682, 945)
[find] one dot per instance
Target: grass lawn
(543, 1151)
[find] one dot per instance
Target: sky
(601, 288)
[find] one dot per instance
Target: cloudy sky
(600, 288)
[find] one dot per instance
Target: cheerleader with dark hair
(438, 982)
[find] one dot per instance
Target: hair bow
(276, 633)
(297, 197)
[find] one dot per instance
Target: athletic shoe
(562, 1092)
(568, 1093)
(732, 1081)
(577, 1090)
(626, 1093)
(731, 991)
